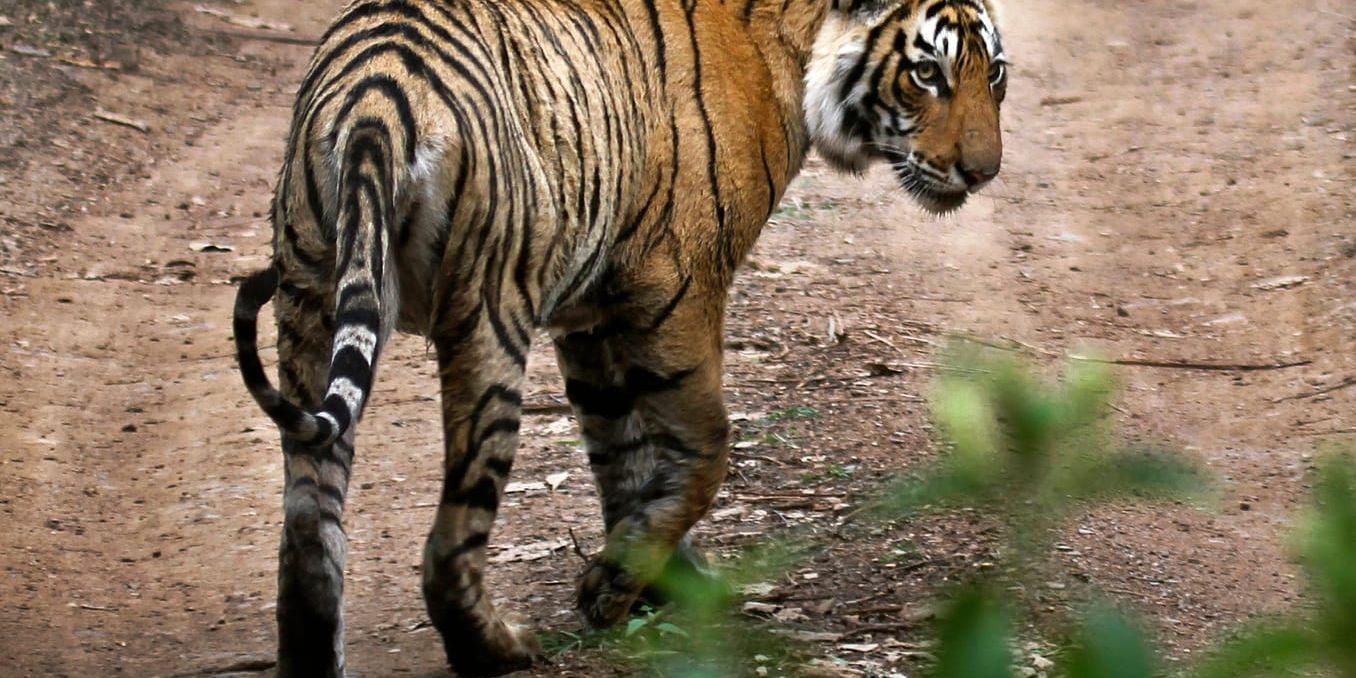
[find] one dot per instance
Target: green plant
(700, 632)
(797, 412)
(1027, 455)
(1326, 636)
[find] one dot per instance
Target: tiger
(474, 171)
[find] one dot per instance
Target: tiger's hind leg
(482, 371)
(651, 410)
(313, 547)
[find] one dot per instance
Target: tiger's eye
(996, 71)
(927, 71)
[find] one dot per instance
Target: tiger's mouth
(926, 191)
(932, 200)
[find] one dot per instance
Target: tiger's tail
(363, 301)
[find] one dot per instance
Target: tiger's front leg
(652, 414)
(482, 373)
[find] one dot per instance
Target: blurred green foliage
(1324, 638)
(1027, 455)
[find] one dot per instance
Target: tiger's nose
(976, 177)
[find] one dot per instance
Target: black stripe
(514, 352)
(668, 309)
(497, 427)
(660, 49)
(711, 150)
(608, 402)
(337, 407)
(483, 495)
(477, 540)
(349, 363)
(388, 87)
(498, 466)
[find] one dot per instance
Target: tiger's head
(915, 83)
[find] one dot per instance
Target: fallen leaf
(1282, 283)
(555, 479)
(808, 636)
(527, 486)
(859, 647)
(755, 607)
(247, 22)
(109, 116)
(756, 590)
(210, 247)
(559, 426)
(25, 50)
(527, 552)
(882, 370)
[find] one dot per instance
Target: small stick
(874, 628)
(878, 609)
(776, 495)
(242, 666)
(116, 119)
(266, 37)
(1345, 383)
(1331, 431)
(1139, 362)
(850, 518)
(1060, 101)
(1191, 365)
(945, 300)
(578, 550)
(879, 338)
(865, 399)
(759, 457)
(863, 599)
(547, 408)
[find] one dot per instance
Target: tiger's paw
(510, 647)
(606, 593)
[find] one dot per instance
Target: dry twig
(1345, 383)
(108, 116)
(1018, 346)
(578, 550)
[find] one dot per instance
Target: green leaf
(1109, 646)
(798, 412)
(635, 625)
(1140, 472)
(1329, 554)
(974, 638)
(1269, 651)
(666, 627)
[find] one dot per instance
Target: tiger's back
(550, 122)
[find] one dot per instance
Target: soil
(1177, 187)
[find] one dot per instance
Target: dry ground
(1177, 186)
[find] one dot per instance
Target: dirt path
(1177, 186)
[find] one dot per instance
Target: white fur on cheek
(837, 47)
